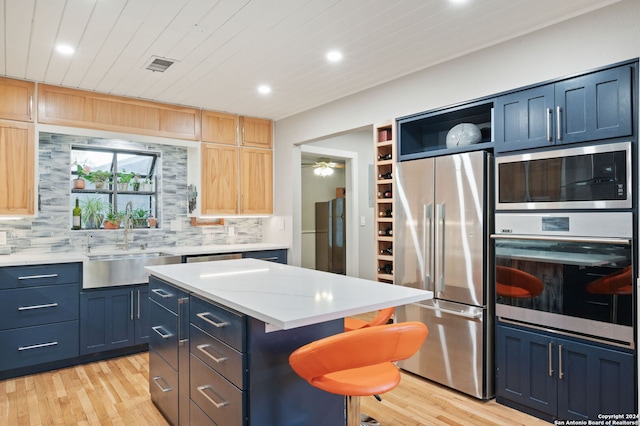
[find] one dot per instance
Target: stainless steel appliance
(442, 227)
(587, 177)
(584, 262)
(331, 255)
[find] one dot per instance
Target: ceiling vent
(159, 64)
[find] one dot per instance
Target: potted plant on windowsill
(112, 219)
(99, 178)
(124, 178)
(139, 218)
(82, 172)
(146, 185)
(93, 209)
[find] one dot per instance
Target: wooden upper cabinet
(219, 127)
(16, 99)
(70, 107)
(256, 181)
(219, 174)
(17, 162)
(257, 132)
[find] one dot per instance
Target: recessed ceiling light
(264, 89)
(65, 49)
(458, 1)
(334, 56)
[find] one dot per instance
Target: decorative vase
(153, 222)
(123, 186)
(100, 185)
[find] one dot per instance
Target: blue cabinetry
(590, 107)
(113, 318)
(554, 377)
(278, 256)
(38, 315)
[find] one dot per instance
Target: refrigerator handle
(427, 244)
(464, 314)
(439, 247)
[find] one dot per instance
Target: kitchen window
(105, 180)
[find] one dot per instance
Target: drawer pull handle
(164, 389)
(160, 292)
(28, 308)
(37, 277)
(203, 316)
(202, 348)
(158, 329)
(41, 345)
(202, 389)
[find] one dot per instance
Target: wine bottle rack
(385, 157)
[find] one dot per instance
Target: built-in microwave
(586, 177)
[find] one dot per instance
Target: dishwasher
(212, 257)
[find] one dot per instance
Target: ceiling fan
(323, 167)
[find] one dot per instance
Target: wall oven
(588, 177)
(571, 272)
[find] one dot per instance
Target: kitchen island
(245, 317)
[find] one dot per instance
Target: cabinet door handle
(549, 133)
(131, 310)
(203, 316)
(559, 123)
(181, 301)
(28, 308)
(202, 348)
(164, 389)
(560, 374)
(37, 277)
(41, 345)
(202, 389)
(550, 359)
(160, 292)
(138, 316)
(158, 329)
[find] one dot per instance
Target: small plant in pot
(124, 178)
(83, 173)
(99, 178)
(139, 218)
(93, 209)
(146, 185)
(112, 219)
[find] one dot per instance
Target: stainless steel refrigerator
(442, 227)
(331, 255)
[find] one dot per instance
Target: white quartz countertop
(70, 257)
(284, 296)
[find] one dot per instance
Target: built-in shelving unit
(385, 157)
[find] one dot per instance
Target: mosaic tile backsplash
(50, 230)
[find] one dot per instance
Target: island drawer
(218, 398)
(165, 294)
(163, 336)
(24, 307)
(222, 323)
(39, 275)
(163, 386)
(23, 347)
(219, 356)
(198, 417)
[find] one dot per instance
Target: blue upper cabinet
(590, 107)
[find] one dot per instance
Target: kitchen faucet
(128, 224)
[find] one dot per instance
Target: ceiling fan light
(323, 171)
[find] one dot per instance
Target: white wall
(600, 38)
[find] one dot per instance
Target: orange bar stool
(615, 284)
(338, 364)
(511, 282)
(383, 316)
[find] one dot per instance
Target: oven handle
(562, 238)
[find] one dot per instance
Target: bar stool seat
(339, 365)
(383, 316)
(615, 284)
(511, 282)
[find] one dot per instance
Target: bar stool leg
(353, 411)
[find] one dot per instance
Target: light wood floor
(116, 392)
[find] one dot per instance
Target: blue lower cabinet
(110, 317)
(554, 377)
(278, 256)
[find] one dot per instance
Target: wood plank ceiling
(226, 48)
